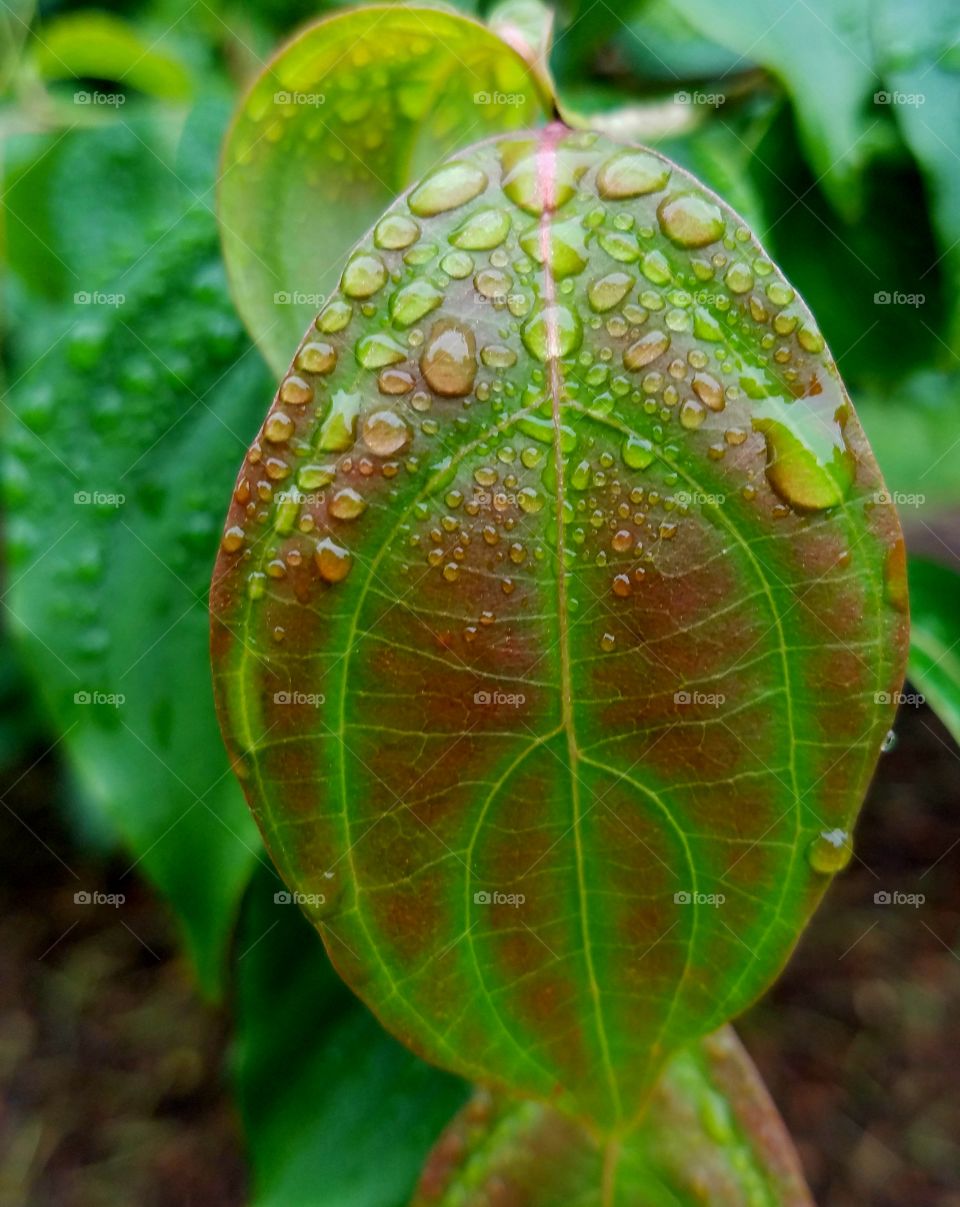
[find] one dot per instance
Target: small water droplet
(608, 291)
(363, 276)
(411, 303)
(632, 174)
(483, 230)
(347, 504)
(646, 349)
(830, 851)
(889, 742)
(395, 232)
(333, 561)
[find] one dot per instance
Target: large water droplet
(646, 349)
(609, 290)
(317, 356)
(690, 220)
(451, 185)
(347, 504)
(337, 433)
(552, 332)
(363, 276)
(333, 561)
(385, 433)
(638, 453)
(483, 230)
(411, 303)
(449, 359)
(566, 251)
(631, 174)
(379, 350)
(809, 465)
(395, 232)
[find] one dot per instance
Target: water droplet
(529, 501)
(457, 264)
(347, 504)
(552, 332)
(620, 245)
(632, 174)
(493, 283)
(830, 851)
(739, 278)
(810, 339)
(809, 465)
(622, 586)
(483, 230)
(607, 642)
(497, 356)
(363, 276)
(315, 477)
(296, 391)
(537, 177)
(385, 433)
(608, 291)
(337, 433)
(279, 427)
(889, 742)
(708, 390)
(333, 561)
(233, 538)
(656, 268)
(395, 231)
(566, 252)
(409, 304)
(780, 293)
(378, 350)
(690, 220)
(646, 349)
(316, 357)
(334, 316)
(449, 360)
(638, 453)
(450, 186)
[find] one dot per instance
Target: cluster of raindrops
(437, 359)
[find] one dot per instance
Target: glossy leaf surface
(345, 117)
(552, 618)
(711, 1135)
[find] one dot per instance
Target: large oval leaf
(556, 618)
(711, 1135)
(346, 116)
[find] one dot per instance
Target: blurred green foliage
(855, 188)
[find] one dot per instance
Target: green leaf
(934, 665)
(822, 53)
(563, 614)
(347, 115)
(126, 411)
(711, 1135)
(337, 1113)
(100, 46)
(917, 50)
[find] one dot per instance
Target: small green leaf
(560, 681)
(711, 1135)
(934, 666)
(821, 51)
(347, 115)
(337, 1113)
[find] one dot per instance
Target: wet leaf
(553, 609)
(346, 116)
(711, 1135)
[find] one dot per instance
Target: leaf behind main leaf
(557, 617)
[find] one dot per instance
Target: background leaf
(934, 665)
(346, 116)
(551, 602)
(351, 1116)
(125, 412)
(711, 1135)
